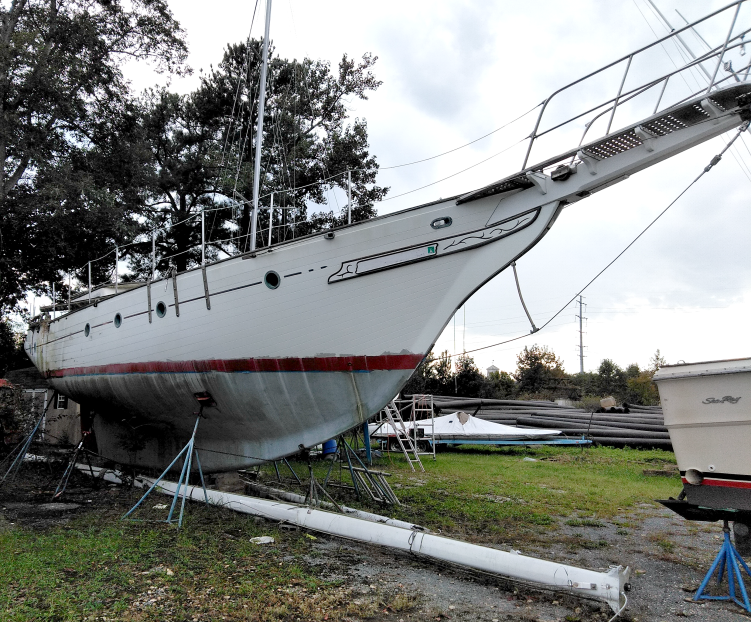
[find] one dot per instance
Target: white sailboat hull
(286, 367)
(354, 313)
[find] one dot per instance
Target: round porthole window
(161, 309)
(118, 320)
(272, 279)
(87, 330)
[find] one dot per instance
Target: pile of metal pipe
(632, 426)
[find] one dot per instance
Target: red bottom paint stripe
(387, 362)
(723, 483)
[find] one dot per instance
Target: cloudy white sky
(453, 71)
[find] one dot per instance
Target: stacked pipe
(632, 426)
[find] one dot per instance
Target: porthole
(161, 309)
(272, 279)
(440, 223)
(87, 330)
(118, 320)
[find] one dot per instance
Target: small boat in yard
(459, 428)
(707, 408)
(292, 344)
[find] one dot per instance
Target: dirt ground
(668, 557)
(667, 554)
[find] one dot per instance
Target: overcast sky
(453, 71)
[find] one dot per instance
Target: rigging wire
(396, 196)
(472, 142)
(687, 55)
(715, 160)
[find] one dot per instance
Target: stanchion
(728, 558)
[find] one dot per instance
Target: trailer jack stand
(182, 483)
(728, 558)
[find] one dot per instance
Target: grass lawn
(95, 566)
(496, 491)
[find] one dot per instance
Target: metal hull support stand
(25, 444)
(189, 451)
(63, 484)
(728, 558)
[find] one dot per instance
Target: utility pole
(581, 335)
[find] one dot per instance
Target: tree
(469, 380)
(203, 149)
(536, 367)
(12, 355)
(587, 383)
(182, 139)
(642, 390)
(498, 385)
(65, 124)
(432, 376)
(611, 380)
(423, 377)
(656, 361)
(444, 378)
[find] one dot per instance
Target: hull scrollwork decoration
(727, 399)
(437, 248)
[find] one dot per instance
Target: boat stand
(189, 451)
(312, 498)
(728, 558)
(291, 470)
(25, 444)
(365, 480)
(63, 484)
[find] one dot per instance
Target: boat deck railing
(643, 86)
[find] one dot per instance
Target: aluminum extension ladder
(402, 435)
(422, 410)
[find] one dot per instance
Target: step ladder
(403, 436)
(422, 410)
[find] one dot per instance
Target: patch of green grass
(494, 493)
(662, 540)
(594, 544)
(584, 522)
(98, 566)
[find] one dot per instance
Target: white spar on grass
(115, 477)
(607, 586)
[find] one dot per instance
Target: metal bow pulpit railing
(638, 67)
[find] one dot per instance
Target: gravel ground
(668, 557)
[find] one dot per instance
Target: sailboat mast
(259, 128)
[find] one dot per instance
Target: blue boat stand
(182, 483)
(728, 559)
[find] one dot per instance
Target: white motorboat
(707, 409)
(293, 344)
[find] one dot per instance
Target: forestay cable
(715, 160)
